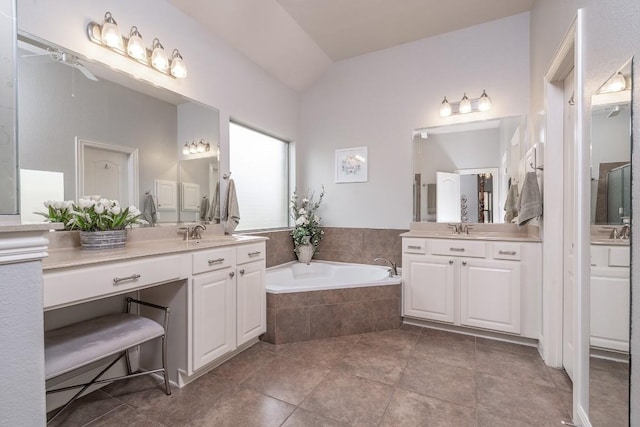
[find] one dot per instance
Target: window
(260, 167)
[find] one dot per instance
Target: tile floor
(403, 377)
(608, 393)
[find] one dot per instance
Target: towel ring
(226, 175)
(538, 168)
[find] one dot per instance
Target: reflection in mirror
(8, 147)
(610, 297)
(200, 190)
(462, 172)
(86, 129)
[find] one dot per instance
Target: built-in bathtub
(327, 299)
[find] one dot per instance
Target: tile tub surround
(304, 316)
(384, 378)
(352, 245)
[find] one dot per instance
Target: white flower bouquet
(306, 229)
(92, 213)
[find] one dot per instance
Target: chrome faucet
(466, 228)
(456, 228)
(196, 231)
(625, 232)
(393, 271)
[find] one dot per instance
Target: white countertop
(76, 256)
(39, 226)
(483, 235)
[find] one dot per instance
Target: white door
(106, 173)
(429, 287)
(214, 326)
(490, 294)
(569, 209)
(190, 196)
(447, 197)
(166, 195)
(252, 304)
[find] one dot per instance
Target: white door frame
(132, 165)
(568, 56)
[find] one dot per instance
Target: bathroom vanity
(489, 279)
(215, 288)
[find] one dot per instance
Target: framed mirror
(87, 129)
(463, 172)
(610, 296)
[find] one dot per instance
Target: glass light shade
(200, 147)
(484, 103)
(617, 83)
(445, 108)
(185, 149)
(193, 149)
(178, 68)
(110, 32)
(135, 46)
(465, 105)
(159, 58)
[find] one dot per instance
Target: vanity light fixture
(135, 45)
(185, 149)
(196, 148)
(108, 35)
(159, 58)
(616, 83)
(465, 105)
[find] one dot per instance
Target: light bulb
(110, 33)
(200, 147)
(445, 108)
(185, 149)
(484, 103)
(178, 69)
(465, 105)
(135, 46)
(617, 83)
(193, 149)
(159, 58)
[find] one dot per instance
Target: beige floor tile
(349, 399)
(286, 379)
(445, 382)
(302, 418)
(87, 408)
(459, 353)
(381, 368)
(560, 379)
(489, 344)
(393, 343)
(243, 365)
(323, 353)
(127, 416)
(412, 409)
(514, 366)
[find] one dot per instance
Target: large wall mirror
(87, 129)
(610, 295)
(462, 172)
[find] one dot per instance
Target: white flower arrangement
(92, 213)
(306, 228)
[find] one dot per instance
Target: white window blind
(260, 169)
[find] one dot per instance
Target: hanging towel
(232, 212)
(530, 202)
(204, 208)
(510, 206)
(214, 207)
(149, 210)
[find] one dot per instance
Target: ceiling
(297, 40)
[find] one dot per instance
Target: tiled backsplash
(357, 245)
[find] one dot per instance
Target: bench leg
(167, 386)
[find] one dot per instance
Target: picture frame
(352, 165)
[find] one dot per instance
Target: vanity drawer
(414, 246)
(454, 247)
(212, 260)
(70, 286)
(619, 257)
(248, 253)
(506, 251)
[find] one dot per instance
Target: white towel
(204, 208)
(510, 205)
(232, 212)
(530, 202)
(149, 210)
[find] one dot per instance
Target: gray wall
(57, 103)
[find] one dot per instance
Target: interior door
(106, 173)
(568, 312)
(448, 197)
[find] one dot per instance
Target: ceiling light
(135, 45)
(465, 105)
(178, 69)
(110, 34)
(445, 108)
(159, 58)
(484, 103)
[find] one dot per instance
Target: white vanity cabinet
(491, 285)
(610, 297)
(251, 292)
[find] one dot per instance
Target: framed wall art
(351, 165)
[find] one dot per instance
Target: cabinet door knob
(232, 274)
(450, 261)
(242, 272)
(464, 262)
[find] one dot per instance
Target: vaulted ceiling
(297, 40)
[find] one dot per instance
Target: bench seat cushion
(79, 344)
